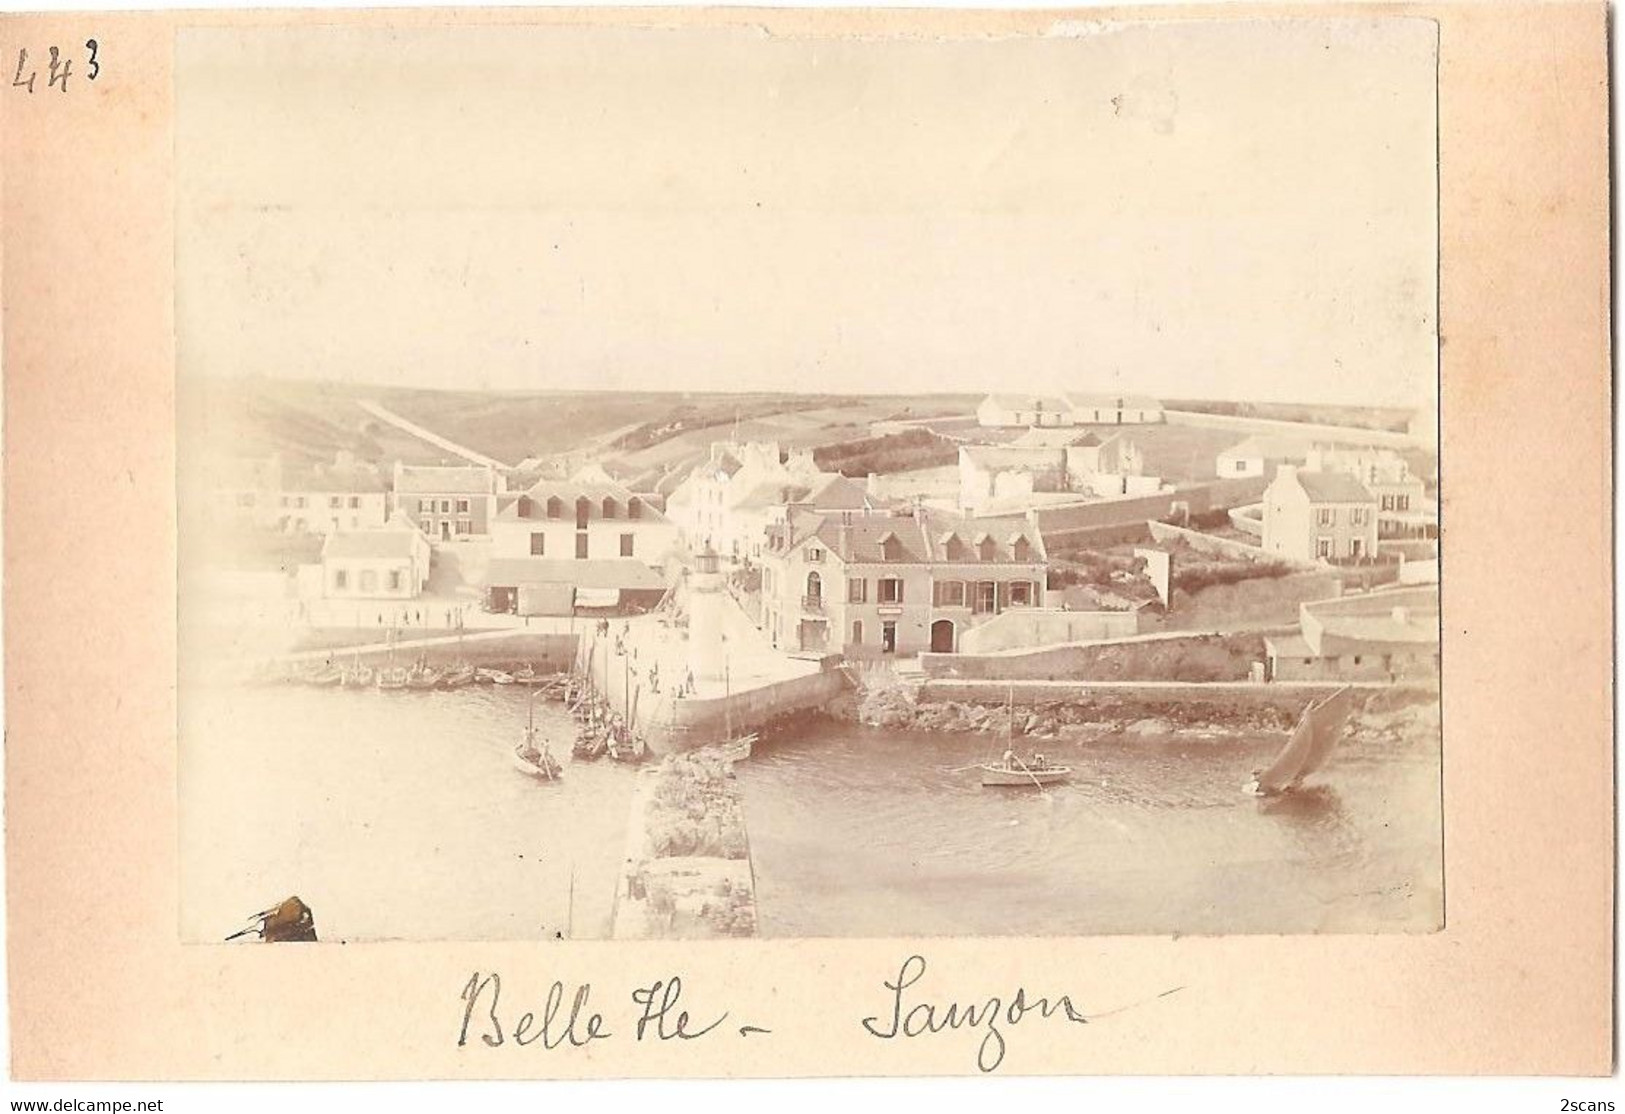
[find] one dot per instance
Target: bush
(895, 452)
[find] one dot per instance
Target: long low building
(560, 585)
(1390, 635)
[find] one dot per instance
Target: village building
(241, 492)
(577, 542)
(448, 502)
(879, 584)
(1381, 636)
(1261, 455)
(385, 562)
(1319, 516)
(1003, 409)
(344, 495)
(1050, 462)
(727, 500)
(1402, 510)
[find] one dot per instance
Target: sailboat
(1013, 770)
(530, 759)
(1317, 732)
(392, 676)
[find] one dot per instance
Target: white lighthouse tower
(707, 655)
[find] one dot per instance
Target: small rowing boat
(457, 677)
(1022, 774)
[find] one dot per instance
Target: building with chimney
(1380, 636)
(448, 502)
(876, 584)
(1319, 516)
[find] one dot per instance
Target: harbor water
(393, 815)
(397, 815)
(870, 832)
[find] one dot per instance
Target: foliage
(894, 452)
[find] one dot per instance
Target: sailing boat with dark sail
(1317, 732)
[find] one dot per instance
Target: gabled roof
(396, 538)
(1049, 403)
(839, 493)
(1271, 446)
(1091, 400)
(437, 479)
(1334, 487)
(356, 479)
(1040, 437)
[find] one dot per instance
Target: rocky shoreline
(1383, 715)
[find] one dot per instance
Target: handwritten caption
(58, 68)
(660, 1012)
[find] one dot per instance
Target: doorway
(942, 636)
(888, 636)
(445, 531)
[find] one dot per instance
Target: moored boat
(529, 758)
(736, 750)
(1022, 774)
(393, 677)
(422, 678)
(457, 677)
(325, 677)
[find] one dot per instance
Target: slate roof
(1334, 487)
(1049, 403)
(531, 505)
(435, 479)
(926, 537)
(392, 540)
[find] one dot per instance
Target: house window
(1387, 502)
(581, 547)
(1325, 516)
(814, 553)
(394, 580)
(462, 506)
(890, 548)
(953, 548)
(369, 581)
(634, 508)
(1356, 659)
(445, 506)
(1021, 593)
(355, 502)
(1022, 549)
(425, 505)
(1357, 516)
(857, 632)
(1241, 466)
(1356, 547)
(1323, 547)
(857, 591)
(583, 512)
(334, 501)
(341, 579)
(889, 589)
(609, 507)
(554, 507)
(538, 544)
(626, 545)
(1402, 502)
(426, 525)
(948, 593)
(987, 597)
(986, 550)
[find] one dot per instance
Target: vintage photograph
(705, 484)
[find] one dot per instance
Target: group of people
(1011, 762)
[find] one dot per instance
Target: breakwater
(687, 870)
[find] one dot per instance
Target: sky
(1228, 209)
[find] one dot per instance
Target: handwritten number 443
(59, 69)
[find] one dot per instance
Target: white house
(1071, 409)
(727, 500)
(448, 502)
(1043, 462)
(1260, 456)
(388, 562)
(345, 495)
(1319, 516)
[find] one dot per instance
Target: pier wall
(546, 653)
(1135, 695)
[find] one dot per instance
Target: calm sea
(398, 816)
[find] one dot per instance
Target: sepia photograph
(795, 486)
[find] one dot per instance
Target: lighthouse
(706, 652)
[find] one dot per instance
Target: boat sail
(528, 758)
(1316, 733)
